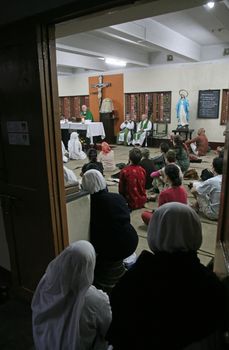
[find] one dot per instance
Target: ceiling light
(115, 62)
(211, 4)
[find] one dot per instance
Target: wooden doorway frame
(48, 75)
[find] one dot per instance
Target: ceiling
(192, 34)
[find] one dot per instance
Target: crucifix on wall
(100, 85)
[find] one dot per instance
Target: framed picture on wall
(208, 104)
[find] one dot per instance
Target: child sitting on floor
(174, 193)
(106, 157)
(170, 158)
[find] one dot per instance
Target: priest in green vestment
(86, 113)
(143, 126)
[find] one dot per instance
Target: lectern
(108, 123)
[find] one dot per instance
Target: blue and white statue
(182, 109)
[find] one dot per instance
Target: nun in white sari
(70, 178)
(64, 152)
(75, 147)
(68, 312)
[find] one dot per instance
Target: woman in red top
(174, 193)
(132, 181)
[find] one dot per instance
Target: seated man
(142, 128)
(207, 193)
(86, 113)
(125, 134)
(199, 144)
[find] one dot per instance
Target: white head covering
(59, 298)
(75, 147)
(93, 181)
(64, 151)
(174, 227)
(73, 144)
(70, 177)
(63, 148)
(74, 136)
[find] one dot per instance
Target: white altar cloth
(93, 128)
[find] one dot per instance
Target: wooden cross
(100, 85)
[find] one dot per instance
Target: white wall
(74, 85)
(192, 77)
(78, 214)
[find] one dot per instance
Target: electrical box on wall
(226, 51)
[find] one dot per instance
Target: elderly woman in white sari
(64, 153)
(168, 299)
(75, 147)
(68, 312)
(70, 178)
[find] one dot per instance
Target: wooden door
(221, 264)
(31, 170)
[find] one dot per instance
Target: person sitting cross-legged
(143, 126)
(199, 144)
(170, 158)
(174, 193)
(168, 299)
(132, 181)
(182, 156)
(207, 193)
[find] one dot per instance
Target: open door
(31, 172)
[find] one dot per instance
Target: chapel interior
(154, 57)
(163, 54)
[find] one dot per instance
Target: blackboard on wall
(208, 104)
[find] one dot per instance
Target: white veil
(59, 298)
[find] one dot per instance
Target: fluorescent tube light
(115, 62)
(211, 4)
